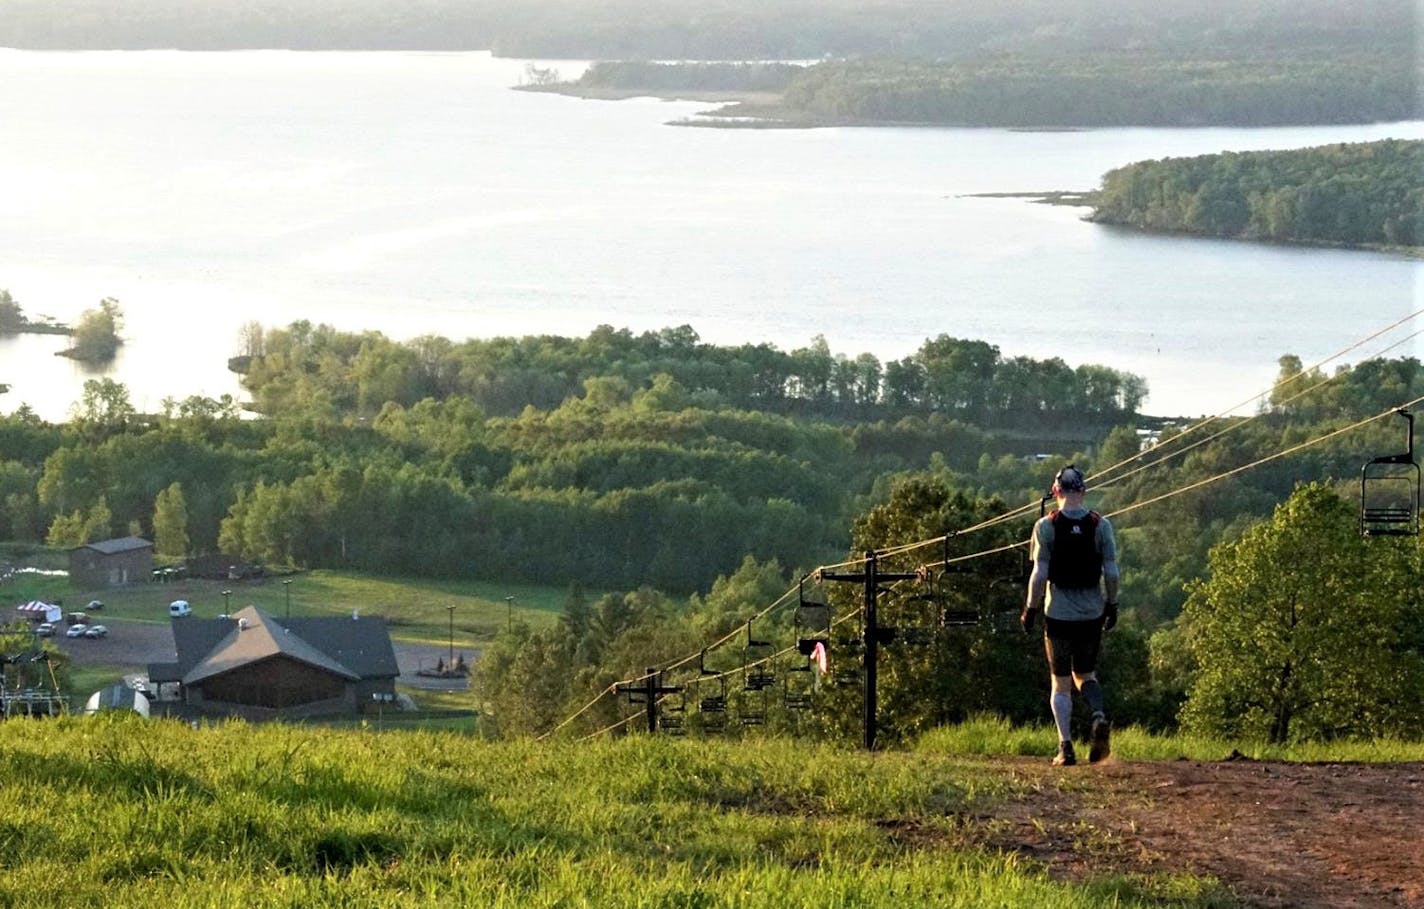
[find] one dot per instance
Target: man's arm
(1111, 575)
(1037, 581)
(1037, 585)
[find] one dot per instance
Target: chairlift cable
(1205, 482)
(578, 713)
(1234, 426)
(1271, 457)
(1097, 477)
(607, 729)
(1278, 385)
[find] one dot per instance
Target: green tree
(104, 405)
(78, 527)
(1299, 630)
(12, 317)
(170, 522)
(96, 336)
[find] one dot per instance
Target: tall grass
(987, 735)
(115, 812)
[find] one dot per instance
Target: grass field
(116, 812)
(415, 608)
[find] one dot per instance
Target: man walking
(1074, 585)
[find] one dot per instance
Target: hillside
(109, 812)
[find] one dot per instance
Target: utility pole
(871, 578)
(451, 610)
(646, 693)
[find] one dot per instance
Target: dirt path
(1309, 836)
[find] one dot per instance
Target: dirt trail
(1311, 836)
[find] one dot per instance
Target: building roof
(252, 637)
(353, 648)
(122, 544)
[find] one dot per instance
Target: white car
(75, 631)
(45, 629)
(179, 608)
(96, 631)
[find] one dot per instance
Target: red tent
(40, 612)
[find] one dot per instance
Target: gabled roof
(122, 544)
(253, 637)
(352, 648)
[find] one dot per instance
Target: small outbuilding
(111, 563)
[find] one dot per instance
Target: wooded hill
(1358, 194)
(1023, 63)
(722, 29)
(670, 489)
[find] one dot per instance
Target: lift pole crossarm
(879, 576)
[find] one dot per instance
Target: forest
(1026, 63)
(1095, 88)
(628, 463)
(1258, 611)
(721, 29)
(1359, 194)
(604, 460)
(1112, 88)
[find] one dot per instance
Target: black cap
(1069, 479)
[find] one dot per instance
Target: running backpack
(1076, 563)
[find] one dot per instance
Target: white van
(179, 608)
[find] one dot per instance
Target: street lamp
(227, 599)
(451, 609)
(288, 585)
(509, 610)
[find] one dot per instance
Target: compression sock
(1062, 704)
(1093, 694)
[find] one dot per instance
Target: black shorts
(1073, 646)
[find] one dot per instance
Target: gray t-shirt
(1063, 603)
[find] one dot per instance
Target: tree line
(718, 29)
(1110, 88)
(359, 373)
(1357, 194)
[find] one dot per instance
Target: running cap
(1069, 479)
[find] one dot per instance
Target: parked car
(96, 631)
(179, 608)
(45, 629)
(75, 631)
(94, 604)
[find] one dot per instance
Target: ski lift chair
(1389, 491)
(761, 676)
(712, 708)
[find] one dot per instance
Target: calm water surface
(414, 193)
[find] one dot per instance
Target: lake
(414, 193)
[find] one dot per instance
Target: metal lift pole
(872, 640)
(874, 634)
